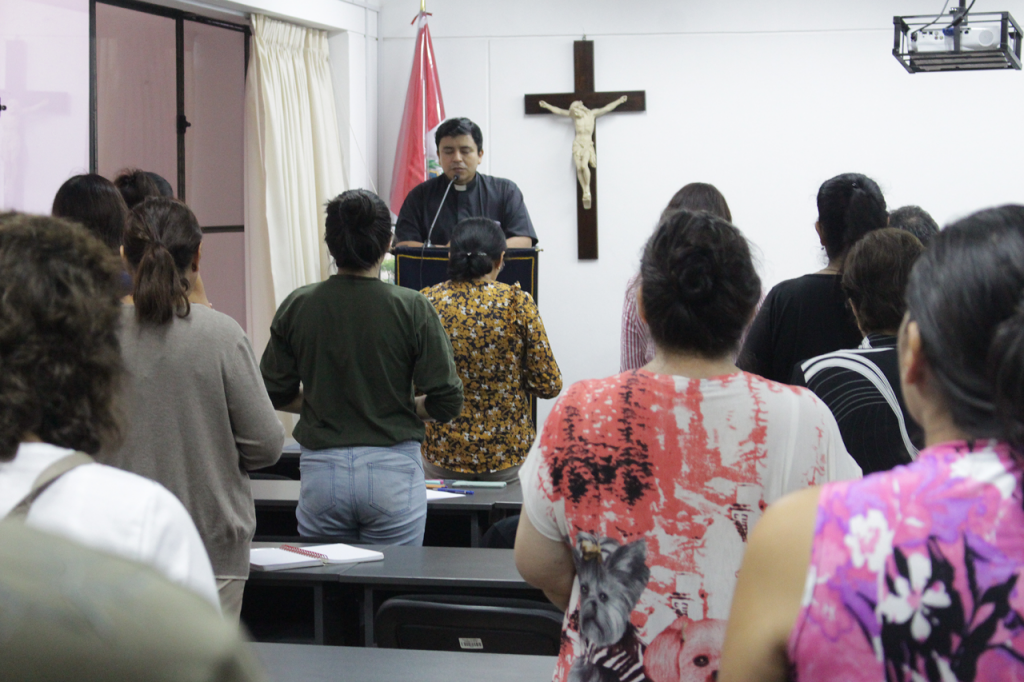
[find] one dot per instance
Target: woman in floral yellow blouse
(502, 355)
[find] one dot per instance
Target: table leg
(318, 614)
(474, 529)
(368, 615)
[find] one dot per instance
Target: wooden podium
(418, 268)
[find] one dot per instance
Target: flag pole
(423, 5)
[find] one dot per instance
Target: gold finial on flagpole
(423, 5)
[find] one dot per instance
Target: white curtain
(293, 165)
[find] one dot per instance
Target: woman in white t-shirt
(60, 366)
(640, 493)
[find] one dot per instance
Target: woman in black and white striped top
(862, 386)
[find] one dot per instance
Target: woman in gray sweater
(197, 414)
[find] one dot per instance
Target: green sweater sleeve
(435, 373)
(279, 366)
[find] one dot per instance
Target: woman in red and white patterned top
(641, 490)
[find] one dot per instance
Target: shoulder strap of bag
(45, 479)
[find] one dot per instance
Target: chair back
(493, 625)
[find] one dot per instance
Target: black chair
(502, 535)
(491, 625)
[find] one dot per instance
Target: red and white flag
(416, 157)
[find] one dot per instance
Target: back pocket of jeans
(316, 494)
(391, 487)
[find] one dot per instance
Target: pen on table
(434, 486)
(455, 490)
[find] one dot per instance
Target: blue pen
(455, 490)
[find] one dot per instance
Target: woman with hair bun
(640, 492)
(913, 573)
(503, 357)
(348, 355)
(808, 316)
(197, 415)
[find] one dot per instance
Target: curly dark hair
(700, 287)
(60, 359)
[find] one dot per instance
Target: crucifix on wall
(583, 106)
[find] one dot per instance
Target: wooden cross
(583, 69)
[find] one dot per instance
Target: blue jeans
(371, 495)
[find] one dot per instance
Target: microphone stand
(427, 243)
(455, 178)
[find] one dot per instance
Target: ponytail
(864, 213)
(160, 245)
(849, 206)
(159, 290)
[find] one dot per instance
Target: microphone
(455, 178)
(423, 249)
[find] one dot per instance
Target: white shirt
(112, 511)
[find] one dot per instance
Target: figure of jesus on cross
(583, 105)
(583, 152)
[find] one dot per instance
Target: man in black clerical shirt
(460, 148)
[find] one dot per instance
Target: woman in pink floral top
(912, 574)
(638, 496)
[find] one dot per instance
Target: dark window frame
(180, 17)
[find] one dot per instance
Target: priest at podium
(461, 193)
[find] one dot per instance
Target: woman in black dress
(808, 316)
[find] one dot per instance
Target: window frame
(180, 17)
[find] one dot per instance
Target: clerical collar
(468, 185)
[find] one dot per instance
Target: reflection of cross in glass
(24, 108)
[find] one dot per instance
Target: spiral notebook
(289, 556)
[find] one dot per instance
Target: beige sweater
(197, 418)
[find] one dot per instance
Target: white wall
(354, 68)
(764, 100)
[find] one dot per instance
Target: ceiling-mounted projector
(958, 42)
